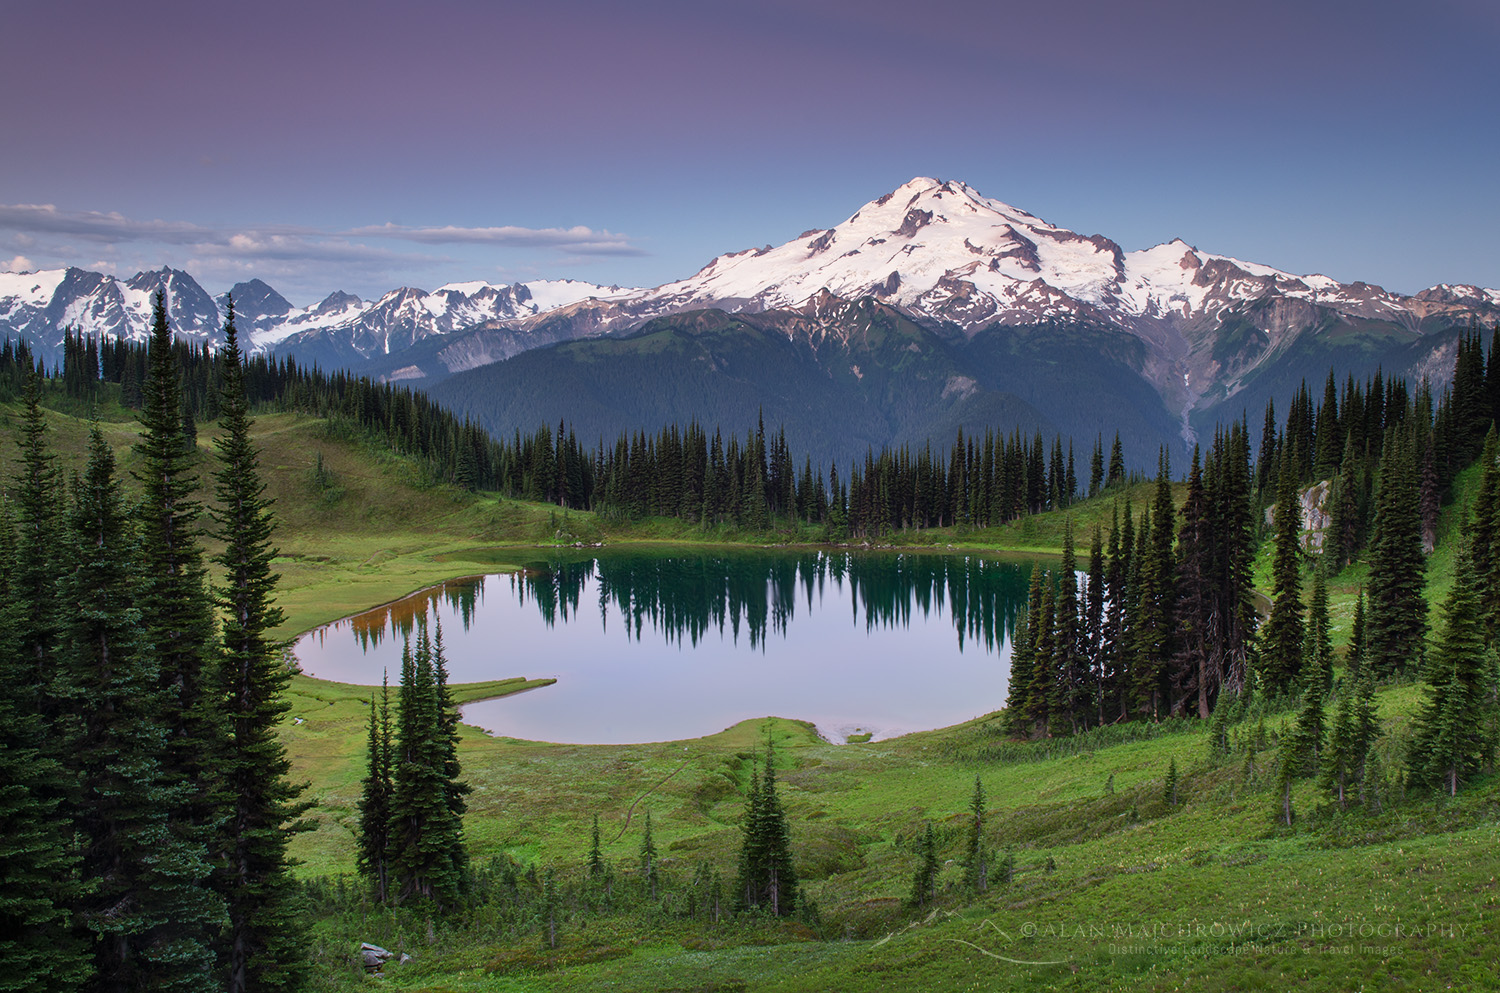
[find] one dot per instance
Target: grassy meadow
(1115, 885)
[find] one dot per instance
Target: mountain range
(929, 308)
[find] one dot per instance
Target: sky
(369, 144)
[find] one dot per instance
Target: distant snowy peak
(38, 306)
(938, 251)
(942, 251)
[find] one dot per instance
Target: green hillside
(1115, 884)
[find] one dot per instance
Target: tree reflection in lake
(660, 644)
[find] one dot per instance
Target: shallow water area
(664, 645)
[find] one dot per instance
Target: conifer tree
(1022, 658)
(264, 947)
(377, 788)
(39, 871)
(596, 855)
(1041, 695)
(176, 611)
(1068, 660)
(1283, 635)
(1116, 464)
(1303, 749)
(148, 912)
(1155, 625)
(1397, 617)
(976, 857)
(1195, 676)
(648, 859)
(425, 835)
(1352, 730)
(1486, 530)
(767, 879)
(924, 880)
(1096, 466)
(1094, 625)
(1318, 652)
(34, 565)
(1450, 741)
(455, 789)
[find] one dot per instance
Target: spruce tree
(596, 854)
(924, 880)
(148, 912)
(1116, 464)
(1018, 714)
(1195, 674)
(1068, 659)
(39, 869)
(264, 947)
(1302, 750)
(455, 789)
(1283, 635)
(976, 857)
(426, 837)
(648, 860)
(1397, 618)
(1318, 651)
(376, 790)
(176, 611)
(767, 879)
(34, 564)
(1450, 742)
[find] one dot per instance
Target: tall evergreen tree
(34, 564)
(425, 834)
(1068, 659)
(264, 947)
(1018, 715)
(1353, 729)
(376, 791)
(39, 878)
(1397, 619)
(1283, 635)
(596, 853)
(977, 855)
(148, 913)
(1450, 738)
(1195, 676)
(767, 879)
(176, 610)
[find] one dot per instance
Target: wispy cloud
(578, 239)
(311, 258)
(291, 241)
(44, 218)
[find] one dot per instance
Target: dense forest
(681, 471)
(146, 808)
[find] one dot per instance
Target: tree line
(754, 482)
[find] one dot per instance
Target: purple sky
(364, 145)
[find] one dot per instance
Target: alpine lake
(665, 644)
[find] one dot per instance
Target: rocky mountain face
(340, 330)
(1212, 334)
(958, 262)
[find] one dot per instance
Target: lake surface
(662, 645)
